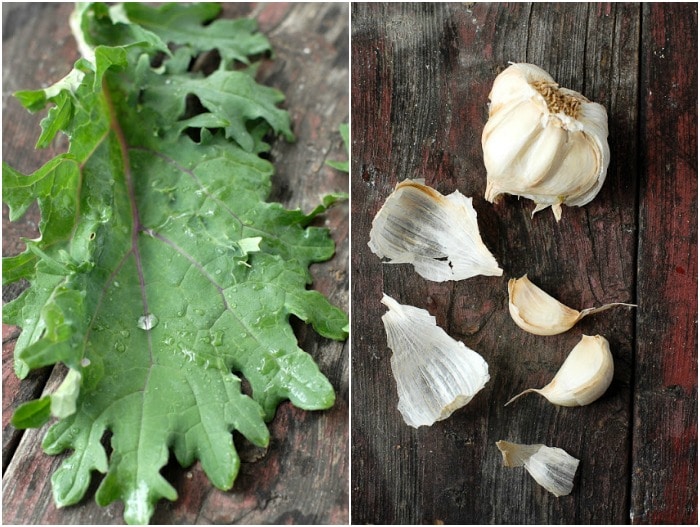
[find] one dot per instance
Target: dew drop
(85, 362)
(200, 312)
(147, 322)
(125, 333)
(189, 354)
(217, 339)
(119, 346)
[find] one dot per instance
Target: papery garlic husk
(585, 375)
(435, 374)
(551, 467)
(543, 142)
(537, 312)
(438, 234)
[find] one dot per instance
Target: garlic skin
(435, 374)
(539, 313)
(551, 467)
(543, 142)
(438, 234)
(585, 375)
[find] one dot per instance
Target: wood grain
(303, 476)
(665, 441)
(421, 74)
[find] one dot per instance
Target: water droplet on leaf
(217, 339)
(147, 322)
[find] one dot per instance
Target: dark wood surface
(420, 78)
(303, 477)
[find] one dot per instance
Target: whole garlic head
(543, 142)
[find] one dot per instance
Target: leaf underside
(162, 276)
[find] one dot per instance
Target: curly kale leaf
(162, 275)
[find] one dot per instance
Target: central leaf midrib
(115, 125)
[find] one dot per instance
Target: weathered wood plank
(421, 74)
(664, 486)
(303, 476)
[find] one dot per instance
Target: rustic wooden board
(303, 476)
(421, 74)
(665, 440)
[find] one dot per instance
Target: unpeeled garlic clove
(537, 312)
(438, 234)
(585, 375)
(543, 142)
(435, 374)
(551, 467)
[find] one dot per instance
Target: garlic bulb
(438, 234)
(543, 142)
(551, 467)
(435, 374)
(537, 312)
(585, 375)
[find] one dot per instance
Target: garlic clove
(435, 374)
(539, 313)
(553, 468)
(585, 375)
(438, 234)
(543, 142)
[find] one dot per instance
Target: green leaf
(162, 276)
(236, 40)
(32, 414)
(343, 166)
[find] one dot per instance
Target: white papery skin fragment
(543, 142)
(438, 234)
(435, 374)
(551, 467)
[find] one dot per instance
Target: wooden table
(303, 477)
(421, 75)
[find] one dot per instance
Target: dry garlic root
(435, 374)
(585, 375)
(537, 312)
(553, 468)
(438, 234)
(543, 142)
